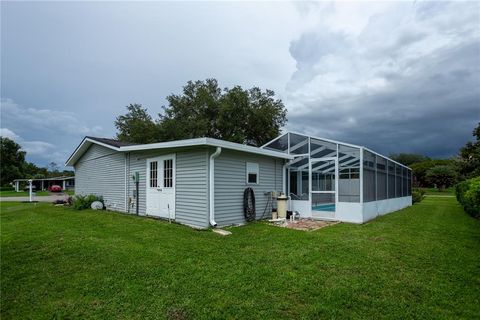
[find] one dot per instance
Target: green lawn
(436, 192)
(421, 262)
(22, 193)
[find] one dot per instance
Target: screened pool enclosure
(339, 181)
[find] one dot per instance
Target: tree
(409, 158)
(419, 170)
(136, 126)
(30, 170)
(68, 173)
(469, 159)
(251, 116)
(203, 109)
(53, 168)
(12, 160)
(442, 176)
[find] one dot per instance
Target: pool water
(324, 207)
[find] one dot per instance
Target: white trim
(288, 142)
(211, 184)
(337, 142)
(299, 145)
(82, 147)
(310, 194)
(125, 185)
(337, 178)
(47, 179)
(361, 175)
(178, 144)
(252, 167)
(378, 154)
(348, 162)
(327, 140)
(273, 140)
(206, 142)
(170, 209)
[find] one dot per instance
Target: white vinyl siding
(101, 171)
(191, 190)
(230, 183)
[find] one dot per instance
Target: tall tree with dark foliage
(469, 160)
(203, 109)
(136, 126)
(12, 160)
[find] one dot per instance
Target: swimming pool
(324, 207)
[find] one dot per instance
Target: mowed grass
(437, 192)
(420, 262)
(22, 193)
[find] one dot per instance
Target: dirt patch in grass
(305, 224)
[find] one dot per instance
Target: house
(66, 182)
(201, 182)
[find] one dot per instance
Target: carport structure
(333, 180)
(66, 182)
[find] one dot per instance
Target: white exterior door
(161, 186)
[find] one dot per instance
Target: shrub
(7, 188)
(468, 194)
(417, 195)
(84, 202)
(442, 176)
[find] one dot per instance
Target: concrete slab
(222, 232)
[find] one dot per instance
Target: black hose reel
(249, 204)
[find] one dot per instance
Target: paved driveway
(49, 198)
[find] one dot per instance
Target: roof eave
(86, 142)
(81, 148)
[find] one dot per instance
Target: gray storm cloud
(394, 76)
(407, 83)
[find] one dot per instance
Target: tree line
(14, 166)
(444, 173)
(249, 116)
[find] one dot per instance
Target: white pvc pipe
(284, 179)
(30, 190)
(211, 183)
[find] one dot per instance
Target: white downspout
(211, 182)
(284, 178)
(125, 185)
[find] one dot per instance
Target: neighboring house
(65, 182)
(201, 182)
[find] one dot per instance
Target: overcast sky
(393, 76)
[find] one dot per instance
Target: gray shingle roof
(112, 142)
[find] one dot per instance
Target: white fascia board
(178, 144)
(205, 142)
(245, 148)
(164, 145)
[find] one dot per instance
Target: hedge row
(468, 194)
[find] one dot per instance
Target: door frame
(314, 160)
(160, 181)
